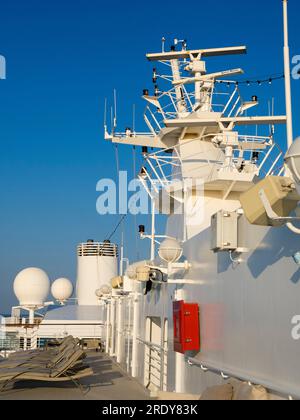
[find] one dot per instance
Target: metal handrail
(21, 322)
(159, 115)
(155, 346)
(228, 373)
(267, 166)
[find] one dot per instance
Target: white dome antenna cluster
(32, 287)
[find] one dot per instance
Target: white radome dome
(292, 159)
(31, 287)
(104, 290)
(170, 250)
(62, 289)
(98, 293)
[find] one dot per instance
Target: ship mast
(287, 75)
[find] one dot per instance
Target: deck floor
(109, 382)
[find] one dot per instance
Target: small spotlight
(145, 92)
(255, 157)
(144, 150)
(143, 172)
(154, 76)
(141, 229)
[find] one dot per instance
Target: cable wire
(117, 226)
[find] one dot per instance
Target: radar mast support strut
(287, 75)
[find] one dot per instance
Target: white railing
(228, 103)
(272, 161)
(105, 249)
(132, 134)
(9, 342)
(155, 366)
(160, 169)
(227, 373)
(22, 322)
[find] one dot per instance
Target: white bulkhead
(97, 264)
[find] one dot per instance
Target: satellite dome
(292, 159)
(104, 290)
(98, 293)
(170, 250)
(62, 289)
(31, 287)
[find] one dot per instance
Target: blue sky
(63, 59)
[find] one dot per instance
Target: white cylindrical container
(97, 264)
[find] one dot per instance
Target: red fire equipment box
(186, 326)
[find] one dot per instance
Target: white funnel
(97, 265)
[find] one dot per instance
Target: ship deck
(109, 382)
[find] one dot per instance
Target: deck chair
(45, 353)
(50, 361)
(70, 368)
(67, 362)
(43, 359)
(63, 343)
